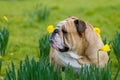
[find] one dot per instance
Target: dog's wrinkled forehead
(61, 23)
(70, 19)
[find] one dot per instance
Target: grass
(116, 47)
(4, 37)
(24, 37)
(41, 70)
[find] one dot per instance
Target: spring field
(25, 28)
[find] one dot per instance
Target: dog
(74, 43)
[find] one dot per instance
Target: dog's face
(68, 35)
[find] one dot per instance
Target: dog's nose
(56, 31)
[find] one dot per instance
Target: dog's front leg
(83, 60)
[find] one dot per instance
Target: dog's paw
(83, 61)
(80, 61)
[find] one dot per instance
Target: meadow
(26, 26)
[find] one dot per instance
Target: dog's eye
(64, 31)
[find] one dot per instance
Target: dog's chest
(68, 58)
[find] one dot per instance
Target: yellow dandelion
(97, 31)
(5, 18)
(105, 48)
(50, 29)
(98, 35)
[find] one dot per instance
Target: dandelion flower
(5, 18)
(97, 31)
(50, 29)
(105, 48)
(98, 35)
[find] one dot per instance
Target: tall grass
(33, 70)
(44, 46)
(89, 73)
(41, 70)
(0, 64)
(116, 46)
(116, 49)
(4, 36)
(40, 13)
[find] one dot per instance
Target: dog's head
(68, 35)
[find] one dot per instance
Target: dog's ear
(80, 26)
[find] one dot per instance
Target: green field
(25, 31)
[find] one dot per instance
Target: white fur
(58, 41)
(61, 23)
(68, 58)
(74, 55)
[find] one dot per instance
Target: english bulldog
(74, 43)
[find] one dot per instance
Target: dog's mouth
(65, 49)
(55, 46)
(52, 43)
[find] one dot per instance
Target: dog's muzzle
(52, 39)
(55, 44)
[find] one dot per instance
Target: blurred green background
(26, 27)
